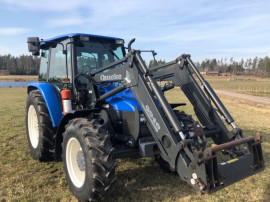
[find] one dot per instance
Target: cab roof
(65, 36)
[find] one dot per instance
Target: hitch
(220, 175)
(203, 170)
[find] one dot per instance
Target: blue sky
(204, 29)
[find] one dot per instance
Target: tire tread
(46, 148)
(102, 159)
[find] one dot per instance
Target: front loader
(95, 102)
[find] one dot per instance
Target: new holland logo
(110, 77)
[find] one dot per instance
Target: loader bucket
(220, 175)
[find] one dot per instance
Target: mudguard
(50, 99)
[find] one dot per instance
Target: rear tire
(39, 129)
(88, 159)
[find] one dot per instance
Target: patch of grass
(248, 85)
(18, 77)
(24, 179)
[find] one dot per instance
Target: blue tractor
(95, 102)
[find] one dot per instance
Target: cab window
(57, 69)
(95, 54)
(42, 76)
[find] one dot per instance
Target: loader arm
(180, 72)
(197, 165)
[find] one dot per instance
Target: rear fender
(50, 99)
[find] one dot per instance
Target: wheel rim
(33, 129)
(75, 162)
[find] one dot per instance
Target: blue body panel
(123, 101)
(51, 101)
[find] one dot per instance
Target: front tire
(164, 165)
(88, 158)
(39, 128)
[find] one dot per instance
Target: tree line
(255, 66)
(154, 63)
(29, 65)
(22, 65)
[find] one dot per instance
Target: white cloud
(205, 28)
(45, 5)
(64, 22)
(13, 31)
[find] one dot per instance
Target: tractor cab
(66, 56)
(67, 59)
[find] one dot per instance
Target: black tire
(188, 122)
(39, 128)
(88, 158)
(164, 165)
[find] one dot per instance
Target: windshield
(92, 55)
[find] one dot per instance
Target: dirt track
(245, 96)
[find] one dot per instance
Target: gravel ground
(245, 96)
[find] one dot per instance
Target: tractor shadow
(143, 180)
(147, 183)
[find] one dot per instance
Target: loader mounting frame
(188, 155)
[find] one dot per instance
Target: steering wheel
(82, 80)
(87, 68)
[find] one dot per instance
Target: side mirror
(33, 45)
